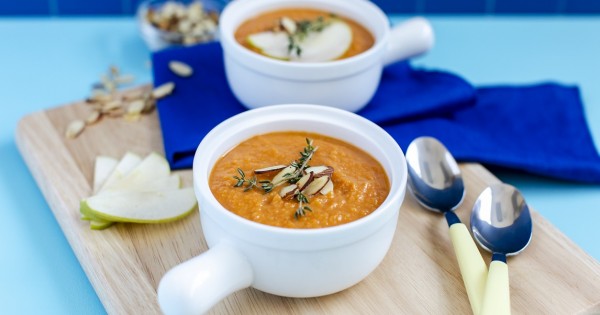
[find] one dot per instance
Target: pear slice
(103, 167)
(329, 44)
(170, 182)
(126, 164)
(95, 222)
(152, 167)
(271, 44)
(141, 207)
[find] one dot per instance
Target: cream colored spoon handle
(472, 267)
(496, 300)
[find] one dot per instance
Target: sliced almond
(181, 69)
(288, 191)
(321, 170)
(163, 90)
(328, 188)
(315, 186)
(281, 176)
(74, 129)
(269, 169)
(93, 117)
(305, 181)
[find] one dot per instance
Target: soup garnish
(304, 180)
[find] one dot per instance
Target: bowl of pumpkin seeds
(168, 23)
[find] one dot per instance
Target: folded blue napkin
(539, 129)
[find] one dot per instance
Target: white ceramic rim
(364, 12)
(394, 163)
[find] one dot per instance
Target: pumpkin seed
(74, 129)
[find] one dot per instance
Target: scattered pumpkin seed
(180, 68)
(136, 107)
(93, 117)
(74, 129)
(163, 90)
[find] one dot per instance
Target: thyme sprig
(241, 180)
(301, 210)
(267, 186)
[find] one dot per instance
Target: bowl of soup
(257, 238)
(310, 51)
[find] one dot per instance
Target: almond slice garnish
(269, 169)
(305, 181)
(327, 188)
(280, 177)
(288, 191)
(321, 170)
(315, 185)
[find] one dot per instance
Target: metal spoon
(501, 224)
(436, 183)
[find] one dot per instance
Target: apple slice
(102, 169)
(328, 44)
(126, 164)
(141, 207)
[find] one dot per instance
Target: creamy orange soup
(360, 183)
(361, 39)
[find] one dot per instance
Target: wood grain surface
(419, 275)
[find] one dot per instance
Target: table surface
(47, 62)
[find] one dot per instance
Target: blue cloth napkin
(540, 129)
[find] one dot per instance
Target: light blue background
(47, 62)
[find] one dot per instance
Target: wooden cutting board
(419, 275)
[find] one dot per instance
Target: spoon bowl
(501, 223)
(435, 181)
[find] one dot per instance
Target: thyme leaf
(301, 210)
(250, 183)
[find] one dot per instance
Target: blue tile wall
(399, 6)
(582, 6)
(98, 7)
(531, 6)
(455, 6)
(128, 7)
(25, 7)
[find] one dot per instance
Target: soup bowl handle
(196, 285)
(408, 39)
